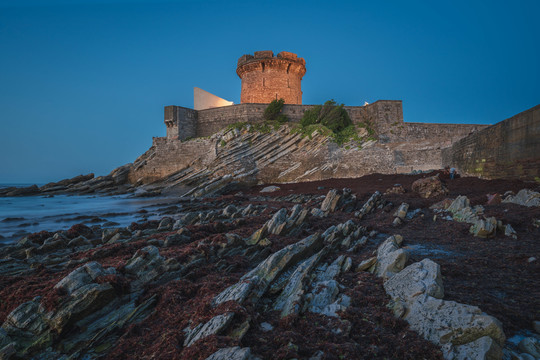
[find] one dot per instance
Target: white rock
(270, 189)
(483, 348)
(443, 322)
(213, 326)
(81, 276)
(420, 278)
(231, 353)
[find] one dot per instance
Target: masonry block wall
(167, 157)
(507, 150)
(181, 122)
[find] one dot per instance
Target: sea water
(28, 214)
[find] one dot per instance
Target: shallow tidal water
(23, 215)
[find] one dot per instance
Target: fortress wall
(167, 157)
(446, 134)
(181, 122)
(213, 120)
(381, 114)
(509, 149)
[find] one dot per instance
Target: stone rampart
(380, 114)
(181, 122)
(165, 157)
(401, 147)
(508, 150)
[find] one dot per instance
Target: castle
(400, 146)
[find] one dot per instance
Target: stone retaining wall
(507, 150)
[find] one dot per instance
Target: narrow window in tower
(288, 67)
(262, 67)
(263, 82)
(288, 85)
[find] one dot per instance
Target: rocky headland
(378, 267)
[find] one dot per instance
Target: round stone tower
(266, 78)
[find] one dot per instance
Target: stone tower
(266, 78)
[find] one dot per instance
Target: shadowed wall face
(266, 78)
(507, 150)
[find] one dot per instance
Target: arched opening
(288, 68)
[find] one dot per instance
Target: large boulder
(80, 277)
(525, 197)
(421, 278)
(429, 187)
(391, 258)
(454, 325)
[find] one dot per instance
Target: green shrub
(282, 119)
(330, 114)
(331, 119)
(311, 116)
(238, 125)
(273, 111)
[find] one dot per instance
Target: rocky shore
(380, 267)
(113, 184)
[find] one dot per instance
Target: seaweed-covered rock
(256, 282)
(80, 277)
(145, 265)
(429, 187)
(289, 301)
(84, 301)
(213, 327)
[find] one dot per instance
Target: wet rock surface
(317, 270)
(113, 184)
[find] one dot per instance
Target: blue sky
(83, 83)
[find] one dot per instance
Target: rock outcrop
(462, 331)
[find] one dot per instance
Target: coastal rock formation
(256, 275)
(113, 184)
(456, 327)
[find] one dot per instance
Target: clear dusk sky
(83, 83)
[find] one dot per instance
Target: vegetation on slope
(332, 120)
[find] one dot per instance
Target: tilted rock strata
(463, 331)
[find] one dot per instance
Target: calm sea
(23, 215)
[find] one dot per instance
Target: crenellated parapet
(266, 77)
